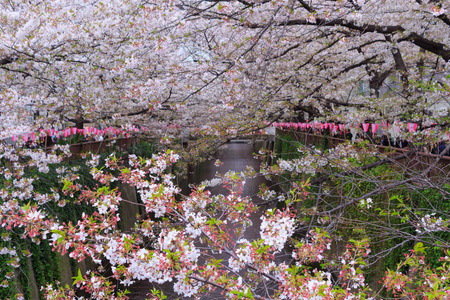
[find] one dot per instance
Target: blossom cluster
(430, 223)
(276, 228)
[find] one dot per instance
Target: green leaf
(26, 207)
(216, 262)
(78, 278)
(61, 233)
(127, 243)
(67, 184)
(419, 248)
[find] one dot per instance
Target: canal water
(235, 157)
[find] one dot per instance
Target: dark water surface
(235, 158)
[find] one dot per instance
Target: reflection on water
(235, 158)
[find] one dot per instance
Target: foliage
(45, 262)
(401, 208)
(142, 149)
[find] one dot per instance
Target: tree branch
(5, 61)
(324, 178)
(306, 6)
(387, 29)
(429, 45)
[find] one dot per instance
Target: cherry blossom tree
(208, 60)
(213, 70)
(312, 56)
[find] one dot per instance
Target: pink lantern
(365, 126)
(412, 127)
(374, 128)
(334, 129)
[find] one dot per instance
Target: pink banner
(73, 130)
(334, 129)
(374, 128)
(365, 126)
(412, 127)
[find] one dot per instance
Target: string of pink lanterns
(335, 127)
(32, 136)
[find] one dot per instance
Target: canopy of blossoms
(209, 71)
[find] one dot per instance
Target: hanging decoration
(86, 131)
(412, 127)
(365, 126)
(374, 129)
